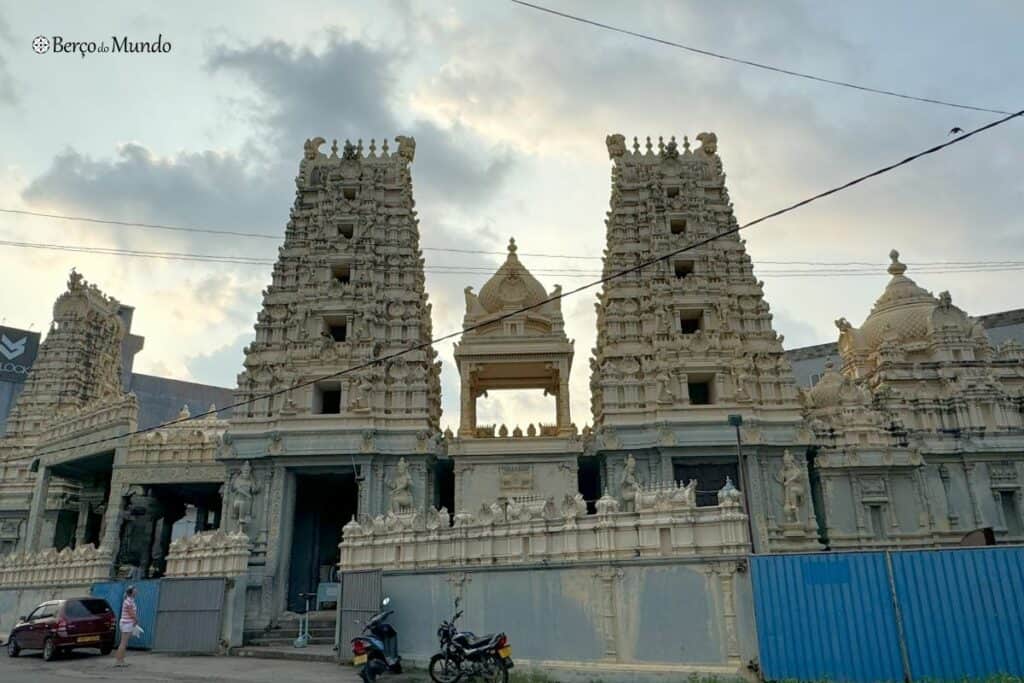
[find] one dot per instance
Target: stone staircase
(277, 643)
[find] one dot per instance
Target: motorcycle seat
(474, 642)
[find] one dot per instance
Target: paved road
(30, 668)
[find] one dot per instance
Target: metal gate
(950, 614)
(147, 598)
(360, 600)
(190, 615)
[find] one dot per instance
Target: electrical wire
(821, 268)
(756, 65)
(561, 295)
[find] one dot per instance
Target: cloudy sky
(510, 109)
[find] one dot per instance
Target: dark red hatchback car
(63, 625)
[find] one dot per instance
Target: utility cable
(819, 269)
(561, 295)
(756, 65)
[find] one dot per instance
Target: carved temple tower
(79, 362)
(686, 342)
(347, 290)
(918, 434)
(75, 385)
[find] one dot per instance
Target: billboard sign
(18, 349)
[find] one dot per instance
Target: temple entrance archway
(324, 502)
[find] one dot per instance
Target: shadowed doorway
(324, 502)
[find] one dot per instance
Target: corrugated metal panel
(190, 615)
(963, 611)
(826, 616)
(147, 600)
(360, 600)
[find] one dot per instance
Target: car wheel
(105, 650)
(49, 650)
(12, 647)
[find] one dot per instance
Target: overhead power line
(756, 65)
(258, 261)
(813, 268)
(564, 294)
(136, 224)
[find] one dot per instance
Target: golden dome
(512, 286)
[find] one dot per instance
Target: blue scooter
(377, 652)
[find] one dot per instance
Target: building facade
(914, 437)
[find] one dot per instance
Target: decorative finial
(512, 245)
(334, 149)
(373, 147)
(896, 268)
(661, 145)
(686, 144)
(649, 145)
(636, 145)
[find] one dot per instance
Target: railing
(517, 532)
(51, 567)
(211, 553)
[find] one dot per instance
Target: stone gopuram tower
(688, 341)
(347, 289)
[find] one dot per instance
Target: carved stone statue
(628, 485)
(406, 147)
(616, 145)
(793, 478)
(401, 488)
(243, 491)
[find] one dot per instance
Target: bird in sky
(955, 130)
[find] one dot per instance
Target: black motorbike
(464, 655)
(377, 651)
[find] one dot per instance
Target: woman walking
(129, 622)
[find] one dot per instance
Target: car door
(32, 637)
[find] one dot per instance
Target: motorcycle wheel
(442, 669)
(496, 671)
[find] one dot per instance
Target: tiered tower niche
(686, 342)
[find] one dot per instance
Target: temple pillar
(83, 523)
(563, 418)
(467, 421)
(37, 511)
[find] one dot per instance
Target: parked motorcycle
(377, 652)
(464, 655)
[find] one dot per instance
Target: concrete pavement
(145, 667)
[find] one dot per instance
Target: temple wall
(593, 620)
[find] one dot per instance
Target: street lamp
(736, 421)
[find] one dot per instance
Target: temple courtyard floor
(30, 668)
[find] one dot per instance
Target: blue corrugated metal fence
(147, 597)
(963, 611)
(879, 616)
